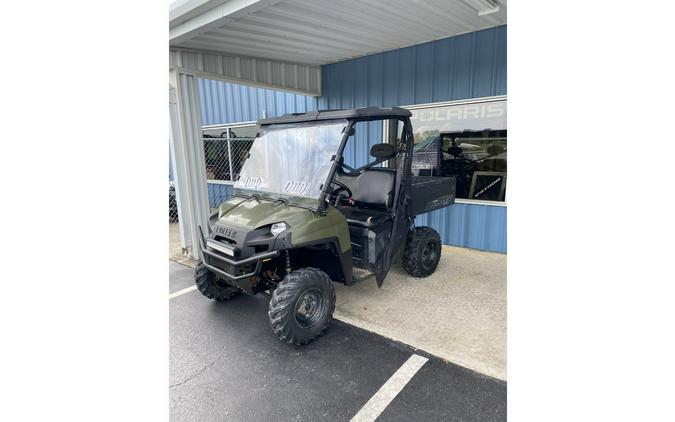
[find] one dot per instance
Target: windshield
(291, 161)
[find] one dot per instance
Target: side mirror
(383, 151)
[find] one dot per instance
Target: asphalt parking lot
(225, 364)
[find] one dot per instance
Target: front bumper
(214, 260)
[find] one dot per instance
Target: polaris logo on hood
(225, 232)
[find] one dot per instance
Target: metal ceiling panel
(326, 31)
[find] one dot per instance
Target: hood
(252, 213)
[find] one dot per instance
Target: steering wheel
(341, 187)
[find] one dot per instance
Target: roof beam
(214, 13)
(182, 10)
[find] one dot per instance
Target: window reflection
(467, 141)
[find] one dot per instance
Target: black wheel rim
(429, 254)
(309, 308)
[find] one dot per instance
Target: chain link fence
(173, 205)
(224, 158)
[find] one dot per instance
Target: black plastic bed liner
(431, 193)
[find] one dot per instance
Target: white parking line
(376, 405)
(182, 292)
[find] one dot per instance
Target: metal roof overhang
(282, 43)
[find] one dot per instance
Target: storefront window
(467, 141)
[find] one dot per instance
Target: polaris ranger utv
(301, 218)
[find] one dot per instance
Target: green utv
(301, 218)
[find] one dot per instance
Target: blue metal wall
(467, 66)
(223, 102)
(470, 226)
(462, 67)
(218, 193)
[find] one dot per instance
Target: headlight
(278, 228)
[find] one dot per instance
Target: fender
(345, 258)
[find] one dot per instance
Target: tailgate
(430, 193)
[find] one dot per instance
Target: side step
(360, 274)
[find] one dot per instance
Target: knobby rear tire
(422, 252)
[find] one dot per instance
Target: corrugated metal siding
(466, 66)
(469, 225)
(224, 102)
(294, 77)
(218, 193)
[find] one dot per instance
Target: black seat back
(372, 188)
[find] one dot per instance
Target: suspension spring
(288, 261)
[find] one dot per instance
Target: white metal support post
(182, 212)
(188, 149)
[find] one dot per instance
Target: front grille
(230, 269)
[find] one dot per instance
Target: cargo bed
(430, 193)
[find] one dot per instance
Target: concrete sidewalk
(457, 314)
